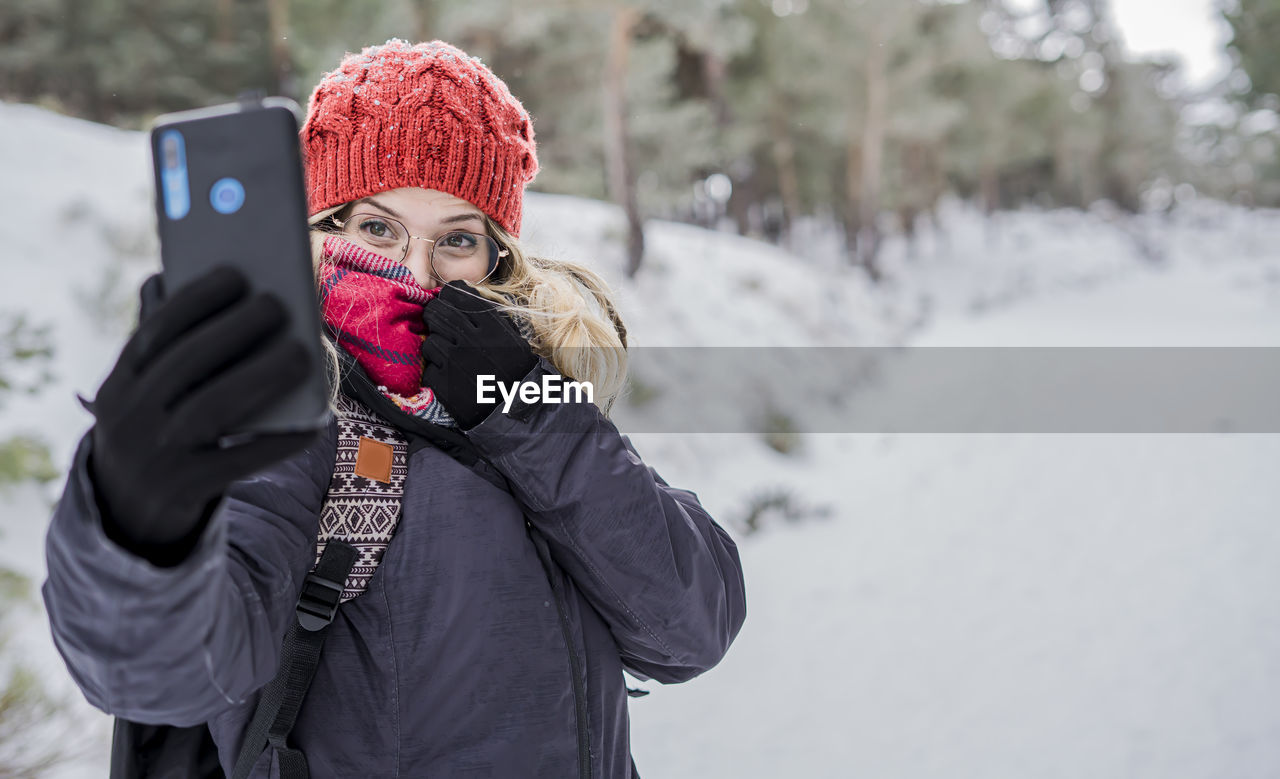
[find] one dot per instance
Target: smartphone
(229, 191)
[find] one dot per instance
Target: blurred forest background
(752, 115)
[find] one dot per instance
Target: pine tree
(599, 78)
(1255, 28)
(122, 61)
(26, 712)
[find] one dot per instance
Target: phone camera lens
(226, 196)
(171, 152)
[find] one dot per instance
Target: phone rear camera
(226, 196)
(171, 152)
(173, 175)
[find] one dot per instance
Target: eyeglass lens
(455, 255)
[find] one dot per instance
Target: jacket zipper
(579, 697)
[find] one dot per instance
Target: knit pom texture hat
(422, 115)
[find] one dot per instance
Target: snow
(969, 606)
(1000, 606)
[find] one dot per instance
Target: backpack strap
(363, 504)
(357, 385)
(282, 698)
(357, 520)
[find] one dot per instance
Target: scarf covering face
(374, 307)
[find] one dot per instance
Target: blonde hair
(567, 307)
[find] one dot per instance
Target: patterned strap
(360, 510)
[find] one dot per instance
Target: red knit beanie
(424, 115)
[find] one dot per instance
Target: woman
(534, 555)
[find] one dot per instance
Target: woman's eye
(376, 228)
(460, 241)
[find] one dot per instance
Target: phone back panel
(244, 206)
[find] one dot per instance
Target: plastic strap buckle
(318, 603)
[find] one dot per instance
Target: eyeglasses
(454, 255)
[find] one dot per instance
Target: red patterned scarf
(374, 307)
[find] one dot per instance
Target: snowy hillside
(944, 606)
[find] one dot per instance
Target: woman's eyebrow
(461, 218)
(449, 220)
(376, 204)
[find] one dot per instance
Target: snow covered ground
(969, 606)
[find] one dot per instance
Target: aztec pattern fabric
(362, 509)
(374, 305)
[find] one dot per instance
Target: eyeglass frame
(431, 256)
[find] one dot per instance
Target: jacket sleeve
(177, 645)
(653, 563)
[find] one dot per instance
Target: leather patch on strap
(373, 460)
(359, 509)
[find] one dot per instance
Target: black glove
(468, 336)
(205, 360)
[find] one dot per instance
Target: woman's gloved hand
(202, 362)
(468, 336)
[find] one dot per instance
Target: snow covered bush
(773, 505)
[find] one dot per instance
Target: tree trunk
(424, 22)
(621, 177)
(1065, 192)
(715, 72)
(81, 91)
(989, 182)
(1115, 181)
(937, 177)
(873, 137)
(739, 208)
(281, 57)
(784, 159)
(224, 12)
(916, 189)
(851, 214)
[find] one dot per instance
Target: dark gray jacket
(460, 658)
